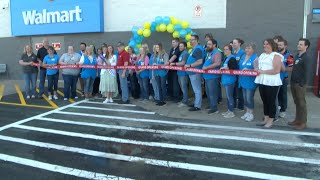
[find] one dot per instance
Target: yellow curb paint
(49, 101)
(1, 91)
(22, 100)
(26, 105)
(61, 94)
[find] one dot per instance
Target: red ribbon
(178, 68)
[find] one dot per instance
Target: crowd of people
(161, 85)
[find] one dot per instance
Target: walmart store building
(69, 22)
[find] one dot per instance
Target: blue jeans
(212, 90)
(155, 89)
(42, 77)
(238, 95)
(162, 86)
(53, 83)
(30, 78)
(70, 81)
(124, 86)
(144, 87)
(88, 85)
(229, 92)
(196, 86)
(248, 96)
(183, 82)
(283, 95)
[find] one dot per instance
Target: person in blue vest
(195, 60)
(229, 81)
(53, 74)
(183, 78)
(88, 74)
(81, 52)
(143, 75)
(247, 83)
(152, 74)
(283, 95)
(238, 52)
(212, 61)
(161, 58)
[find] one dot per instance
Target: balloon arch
(178, 29)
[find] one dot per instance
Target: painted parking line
(114, 110)
(57, 168)
(49, 101)
(190, 124)
(22, 100)
(155, 162)
(178, 146)
(2, 87)
(27, 105)
(61, 94)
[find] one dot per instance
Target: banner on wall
(39, 17)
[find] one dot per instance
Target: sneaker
(239, 110)
(111, 100)
(65, 99)
(182, 105)
(161, 103)
(213, 112)
(105, 101)
(55, 97)
(50, 97)
(225, 113)
(194, 109)
(282, 114)
(76, 97)
(245, 116)
(229, 115)
(275, 119)
(150, 98)
(33, 96)
(28, 97)
(249, 117)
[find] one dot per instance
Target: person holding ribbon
(152, 74)
(108, 84)
(143, 74)
(247, 83)
(88, 74)
(51, 60)
(70, 75)
(212, 61)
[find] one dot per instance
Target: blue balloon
(139, 40)
(154, 24)
(135, 36)
(177, 27)
(183, 33)
(132, 44)
(153, 28)
(166, 20)
(189, 30)
(136, 50)
(134, 29)
(159, 20)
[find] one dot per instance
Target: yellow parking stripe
(50, 102)
(61, 94)
(27, 105)
(1, 91)
(23, 101)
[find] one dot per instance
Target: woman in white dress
(108, 84)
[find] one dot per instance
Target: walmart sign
(39, 17)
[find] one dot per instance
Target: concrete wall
(252, 20)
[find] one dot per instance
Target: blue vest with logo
(182, 73)
(208, 62)
(192, 60)
(144, 73)
(88, 72)
(225, 78)
(285, 74)
(239, 54)
(162, 72)
(151, 63)
(247, 82)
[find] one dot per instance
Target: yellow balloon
(146, 33)
(188, 36)
(170, 28)
(138, 46)
(126, 48)
(158, 28)
(189, 50)
(176, 34)
(140, 32)
(163, 27)
(184, 24)
(189, 45)
(174, 21)
(147, 25)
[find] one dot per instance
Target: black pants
(134, 86)
(238, 96)
(268, 95)
(283, 97)
(96, 85)
(173, 85)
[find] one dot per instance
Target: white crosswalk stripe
(133, 121)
